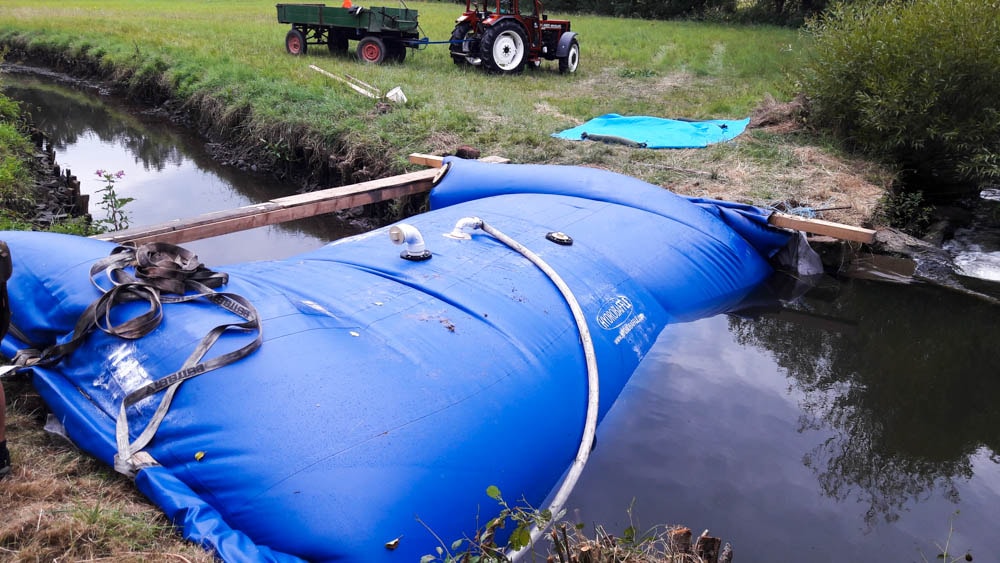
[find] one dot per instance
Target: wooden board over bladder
(278, 210)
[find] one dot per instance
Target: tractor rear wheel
(295, 42)
(371, 50)
(572, 58)
(460, 51)
(504, 47)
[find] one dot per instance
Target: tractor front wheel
(459, 46)
(504, 47)
(572, 58)
(371, 50)
(295, 42)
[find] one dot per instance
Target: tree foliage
(784, 12)
(914, 83)
(780, 12)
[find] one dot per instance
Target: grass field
(232, 53)
(225, 60)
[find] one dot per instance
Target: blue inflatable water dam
(387, 394)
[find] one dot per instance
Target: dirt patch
(62, 505)
(804, 180)
(629, 85)
(778, 117)
(851, 189)
(443, 141)
(544, 108)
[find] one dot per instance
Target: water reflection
(911, 394)
(69, 117)
(849, 426)
(168, 171)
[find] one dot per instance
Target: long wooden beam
(435, 161)
(821, 227)
(279, 210)
(431, 160)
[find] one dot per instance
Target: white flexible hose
(593, 382)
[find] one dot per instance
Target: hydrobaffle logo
(619, 313)
(615, 312)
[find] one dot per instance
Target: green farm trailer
(383, 34)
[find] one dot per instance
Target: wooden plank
(435, 161)
(821, 227)
(278, 210)
(495, 159)
(372, 93)
(426, 160)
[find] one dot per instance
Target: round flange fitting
(560, 238)
(415, 256)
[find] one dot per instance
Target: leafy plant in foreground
(113, 206)
(484, 547)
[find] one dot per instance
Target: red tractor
(502, 36)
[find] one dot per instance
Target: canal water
(852, 420)
(168, 172)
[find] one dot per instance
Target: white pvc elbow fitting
(414, 241)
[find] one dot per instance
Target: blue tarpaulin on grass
(657, 132)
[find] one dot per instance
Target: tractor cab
(503, 7)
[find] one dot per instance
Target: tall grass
(15, 174)
(232, 52)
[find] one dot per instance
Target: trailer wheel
(503, 47)
(572, 58)
(295, 42)
(336, 42)
(371, 50)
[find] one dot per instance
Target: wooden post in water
(679, 540)
(707, 548)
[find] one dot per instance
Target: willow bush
(914, 83)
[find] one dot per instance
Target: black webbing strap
(163, 273)
(192, 367)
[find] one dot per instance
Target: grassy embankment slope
(226, 60)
